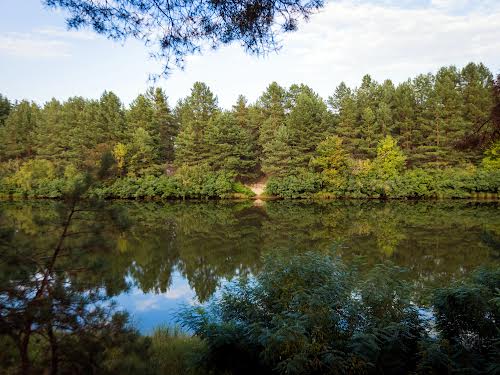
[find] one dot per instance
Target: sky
(388, 39)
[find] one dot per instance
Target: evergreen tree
(163, 123)
(307, 125)
(404, 115)
(447, 106)
(384, 108)
(48, 142)
(366, 101)
(248, 118)
(278, 161)
(272, 116)
(230, 147)
(79, 136)
(476, 83)
(111, 119)
(343, 105)
(141, 152)
(18, 130)
(5, 108)
(425, 150)
(140, 114)
(66, 134)
(193, 114)
(95, 144)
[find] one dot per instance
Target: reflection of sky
(149, 310)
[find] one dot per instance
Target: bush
(189, 182)
(174, 352)
(466, 316)
(364, 182)
(310, 314)
(302, 185)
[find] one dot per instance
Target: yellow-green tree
(390, 160)
(332, 161)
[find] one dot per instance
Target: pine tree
(307, 125)
(111, 119)
(140, 114)
(476, 84)
(279, 155)
(95, 143)
(425, 149)
(384, 109)
(141, 152)
(5, 108)
(404, 116)
(248, 118)
(164, 123)
(448, 108)
(343, 105)
(366, 102)
(272, 116)
(66, 133)
(193, 114)
(18, 131)
(48, 142)
(230, 147)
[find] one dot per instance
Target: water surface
(178, 253)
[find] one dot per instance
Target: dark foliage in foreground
(309, 314)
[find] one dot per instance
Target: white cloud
(29, 45)
(391, 40)
(147, 304)
(182, 291)
(61, 33)
(46, 42)
(394, 39)
(350, 38)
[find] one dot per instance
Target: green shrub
(174, 352)
(240, 189)
(466, 316)
(310, 314)
(301, 185)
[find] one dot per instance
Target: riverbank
(450, 183)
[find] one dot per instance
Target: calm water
(178, 253)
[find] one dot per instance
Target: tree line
(450, 119)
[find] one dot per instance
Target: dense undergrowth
(188, 183)
(410, 184)
(203, 183)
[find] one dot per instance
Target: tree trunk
(23, 352)
(54, 352)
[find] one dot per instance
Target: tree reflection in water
(52, 272)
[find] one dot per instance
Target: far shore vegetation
(433, 136)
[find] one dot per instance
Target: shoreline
(490, 197)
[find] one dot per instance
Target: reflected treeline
(211, 242)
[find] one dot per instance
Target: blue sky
(40, 59)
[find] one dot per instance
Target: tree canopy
(177, 28)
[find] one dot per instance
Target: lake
(176, 253)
